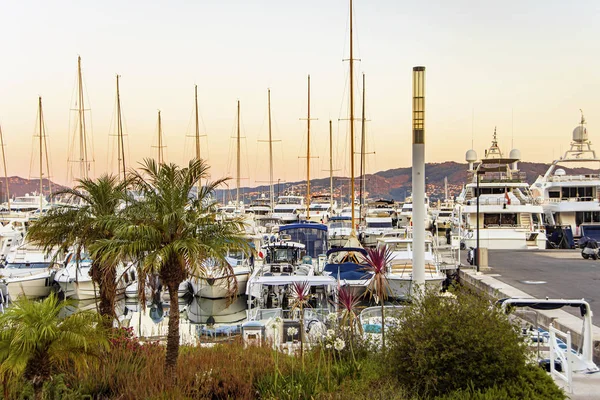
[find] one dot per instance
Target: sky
(526, 68)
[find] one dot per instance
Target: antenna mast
(352, 123)
(5, 173)
(237, 178)
(120, 142)
(41, 154)
(362, 151)
(330, 167)
(271, 189)
(161, 156)
(83, 156)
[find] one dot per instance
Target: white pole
(418, 180)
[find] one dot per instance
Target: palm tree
(171, 234)
(34, 342)
(377, 260)
(80, 225)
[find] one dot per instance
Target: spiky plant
(347, 303)
(172, 234)
(377, 261)
(300, 297)
(34, 342)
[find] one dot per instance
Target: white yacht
(443, 215)
(377, 225)
(289, 208)
(339, 231)
(406, 212)
(508, 215)
(570, 199)
(260, 206)
(29, 272)
(399, 274)
(321, 209)
(28, 203)
(217, 282)
(283, 260)
(76, 282)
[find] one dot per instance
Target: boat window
(584, 193)
(340, 224)
(284, 210)
(379, 224)
(583, 217)
(29, 265)
(554, 194)
(499, 219)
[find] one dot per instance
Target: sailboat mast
(271, 189)
(161, 156)
(5, 173)
(41, 153)
(362, 150)
(238, 171)
(308, 155)
(330, 167)
(197, 137)
(197, 124)
(83, 156)
(120, 142)
(352, 123)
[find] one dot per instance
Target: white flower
(332, 317)
(330, 333)
(328, 346)
(339, 344)
(292, 331)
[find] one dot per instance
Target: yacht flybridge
(497, 190)
(571, 199)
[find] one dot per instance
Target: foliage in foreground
(131, 370)
(35, 343)
(462, 344)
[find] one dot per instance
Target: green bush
(451, 344)
(532, 384)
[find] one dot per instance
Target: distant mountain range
(20, 187)
(392, 183)
(396, 183)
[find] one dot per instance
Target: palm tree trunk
(173, 334)
(108, 287)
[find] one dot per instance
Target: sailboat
(29, 270)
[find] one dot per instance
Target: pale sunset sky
(526, 67)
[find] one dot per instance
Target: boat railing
(574, 178)
(569, 199)
(496, 201)
(506, 226)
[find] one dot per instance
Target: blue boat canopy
(303, 225)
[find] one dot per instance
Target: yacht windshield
(340, 224)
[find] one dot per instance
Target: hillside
(20, 186)
(396, 183)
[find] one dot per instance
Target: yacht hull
(217, 288)
(32, 287)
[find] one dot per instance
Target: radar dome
(515, 154)
(560, 172)
(471, 156)
(580, 134)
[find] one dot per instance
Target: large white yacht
(260, 206)
(406, 213)
(508, 217)
(288, 208)
(570, 198)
